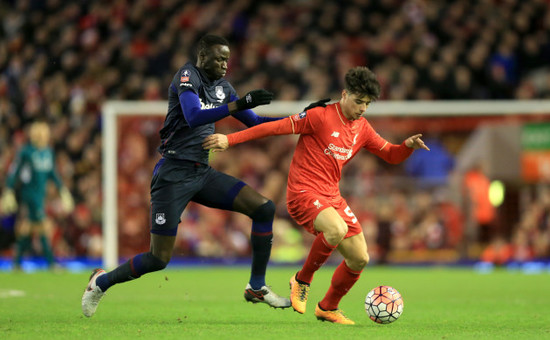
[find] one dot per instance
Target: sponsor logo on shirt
(207, 106)
(338, 152)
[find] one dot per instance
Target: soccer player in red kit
(329, 138)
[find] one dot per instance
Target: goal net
(402, 209)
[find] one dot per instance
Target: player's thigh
(329, 222)
(22, 227)
(355, 252)
(305, 208)
(172, 187)
(36, 210)
(222, 191)
(44, 227)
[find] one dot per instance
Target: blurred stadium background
(482, 193)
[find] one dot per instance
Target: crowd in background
(61, 60)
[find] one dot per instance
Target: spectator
(60, 60)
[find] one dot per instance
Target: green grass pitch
(207, 303)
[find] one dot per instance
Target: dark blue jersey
(180, 138)
(195, 103)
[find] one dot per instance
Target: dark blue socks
(135, 267)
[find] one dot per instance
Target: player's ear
(202, 55)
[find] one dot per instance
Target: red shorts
(304, 207)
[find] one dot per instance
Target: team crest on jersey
(184, 76)
(219, 93)
(160, 219)
(299, 116)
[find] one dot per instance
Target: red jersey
(328, 140)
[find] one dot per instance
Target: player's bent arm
(194, 115)
(415, 142)
(396, 154)
(15, 168)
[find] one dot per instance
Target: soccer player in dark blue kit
(198, 97)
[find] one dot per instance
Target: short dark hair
(210, 40)
(362, 81)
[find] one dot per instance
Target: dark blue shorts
(176, 182)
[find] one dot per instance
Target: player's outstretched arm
(414, 142)
(220, 142)
(216, 142)
(249, 118)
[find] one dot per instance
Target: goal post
(112, 110)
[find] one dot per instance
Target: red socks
(318, 255)
(342, 280)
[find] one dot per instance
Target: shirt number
(350, 214)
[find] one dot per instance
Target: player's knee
(363, 261)
(154, 263)
(358, 263)
(264, 213)
(337, 233)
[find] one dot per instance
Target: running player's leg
(262, 212)
(354, 250)
(330, 229)
(226, 192)
(39, 226)
(172, 186)
(170, 193)
(23, 241)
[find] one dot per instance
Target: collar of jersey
(341, 115)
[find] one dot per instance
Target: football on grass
(384, 304)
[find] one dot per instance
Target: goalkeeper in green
(25, 192)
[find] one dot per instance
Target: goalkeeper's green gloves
(8, 202)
